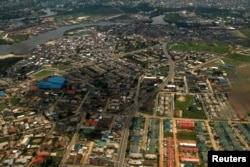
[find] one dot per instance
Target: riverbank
(26, 46)
(7, 61)
(8, 56)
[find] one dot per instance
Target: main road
(76, 135)
(123, 144)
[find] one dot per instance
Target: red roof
(170, 153)
(38, 159)
(70, 91)
(187, 159)
(188, 149)
(33, 88)
(44, 154)
(91, 122)
(169, 141)
(186, 124)
(170, 163)
(62, 142)
(12, 129)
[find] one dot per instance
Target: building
(186, 124)
(55, 82)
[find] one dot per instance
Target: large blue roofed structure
(55, 82)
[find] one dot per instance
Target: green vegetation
(185, 104)
(168, 134)
(14, 101)
(51, 161)
(218, 47)
(164, 69)
(5, 42)
(186, 136)
(2, 106)
(59, 152)
(239, 57)
(43, 73)
(4, 139)
(91, 10)
(74, 31)
(194, 114)
(61, 67)
(173, 18)
(18, 38)
(246, 32)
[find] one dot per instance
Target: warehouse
(55, 82)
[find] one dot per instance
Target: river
(158, 20)
(26, 46)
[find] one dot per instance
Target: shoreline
(2, 57)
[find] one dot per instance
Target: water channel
(26, 46)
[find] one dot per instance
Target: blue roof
(48, 85)
(77, 147)
(2, 93)
(57, 80)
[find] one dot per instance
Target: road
(124, 140)
(211, 135)
(161, 149)
(75, 137)
(176, 151)
(123, 144)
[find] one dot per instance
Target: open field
(186, 136)
(246, 32)
(218, 47)
(43, 73)
(36, 141)
(172, 18)
(18, 38)
(194, 114)
(184, 104)
(239, 57)
(61, 67)
(2, 106)
(168, 134)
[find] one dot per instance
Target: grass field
(239, 57)
(246, 32)
(61, 67)
(168, 134)
(43, 73)
(186, 136)
(183, 105)
(194, 114)
(218, 48)
(172, 18)
(14, 101)
(18, 38)
(2, 106)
